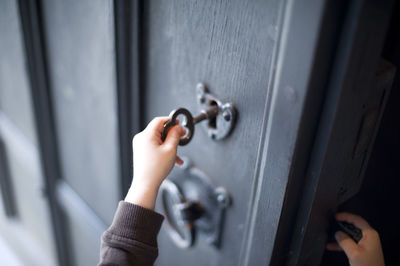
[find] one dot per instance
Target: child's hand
(153, 160)
(367, 252)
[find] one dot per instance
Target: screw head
(221, 198)
(202, 99)
(226, 115)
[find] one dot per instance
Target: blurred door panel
(79, 37)
(80, 54)
(28, 227)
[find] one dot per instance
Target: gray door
(25, 220)
(229, 46)
(58, 129)
(79, 36)
(235, 49)
(98, 71)
(273, 61)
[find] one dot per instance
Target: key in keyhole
(190, 122)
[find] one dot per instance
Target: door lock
(221, 117)
(193, 206)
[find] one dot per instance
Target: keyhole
(212, 122)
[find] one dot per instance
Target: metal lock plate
(193, 206)
(220, 126)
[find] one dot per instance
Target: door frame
(355, 65)
(314, 72)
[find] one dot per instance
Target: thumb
(346, 243)
(173, 136)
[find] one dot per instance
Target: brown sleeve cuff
(137, 223)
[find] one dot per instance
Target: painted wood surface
(228, 45)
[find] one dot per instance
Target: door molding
(291, 112)
(306, 68)
(128, 17)
(6, 184)
(78, 210)
(35, 51)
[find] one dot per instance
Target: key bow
(172, 122)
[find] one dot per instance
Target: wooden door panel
(80, 42)
(227, 46)
(28, 227)
(13, 75)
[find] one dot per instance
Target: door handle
(193, 206)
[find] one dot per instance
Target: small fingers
(174, 136)
(157, 124)
(179, 161)
(354, 219)
(346, 243)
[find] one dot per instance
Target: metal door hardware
(193, 206)
(221, 117)
(189, 122)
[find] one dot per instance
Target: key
(189, 123)
(351, 230)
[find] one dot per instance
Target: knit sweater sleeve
(132, 237)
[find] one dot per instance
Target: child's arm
(368, 252)
(153, 160)
(132, 237)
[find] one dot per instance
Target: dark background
(379, 197)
